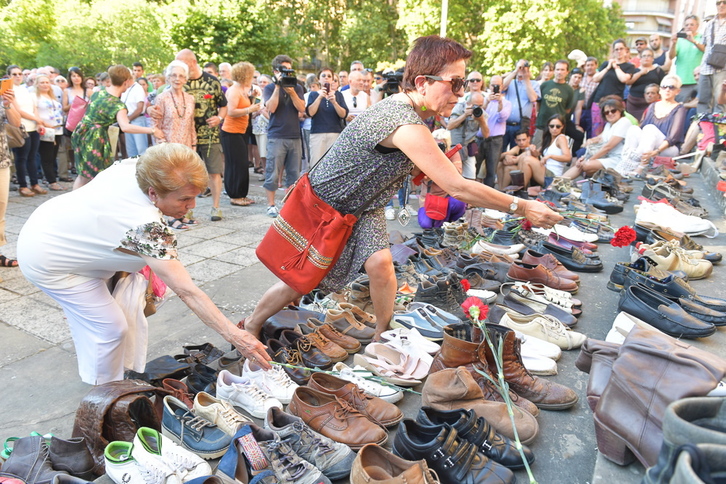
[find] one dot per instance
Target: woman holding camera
(327, 110)
(380, 147)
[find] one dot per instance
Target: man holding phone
(687, 46)
(327, 110)
(498, 109)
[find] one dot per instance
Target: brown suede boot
(596, 358)
(543, 393)
(464, 345)
(455, 388)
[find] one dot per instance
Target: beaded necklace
(176, 108)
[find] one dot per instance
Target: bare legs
(80, 181)
(274, 300)
(215, 184)
(383, 287)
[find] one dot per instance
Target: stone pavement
(41, 389)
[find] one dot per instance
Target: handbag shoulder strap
(519, 102)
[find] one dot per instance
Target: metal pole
(444, 14)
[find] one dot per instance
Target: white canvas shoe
(275, 382)
(151, 448)
(545, 328)
(242, 392)
(220, 412)
(356, 375)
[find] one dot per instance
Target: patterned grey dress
(354, 170)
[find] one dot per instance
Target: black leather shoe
(573, 259)
(675, 288)
(287, 319)
(202, 379)
(312, 356)
(642, 264)
(291, 356)
(479, 432)
(496, 271)
(455, 460)
(662, 313)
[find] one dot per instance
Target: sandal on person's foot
(177, 224)
(241, 202)
(26, 192)
(56, 187)
(7, 262)
(39, 190)
(188, 221)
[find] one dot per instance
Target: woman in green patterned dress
(91, 144)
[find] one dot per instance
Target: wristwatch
(513, 206)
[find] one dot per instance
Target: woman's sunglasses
(558, 126)
(457, 83)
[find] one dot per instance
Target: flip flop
(7, 262)
(241, 202)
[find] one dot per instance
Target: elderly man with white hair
(356, 98)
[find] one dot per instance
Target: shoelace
(304, 344)
(152, 474)
(286, 458)
(230, 416)
(179, 462)
(309, 441)
(318, 339)
(372, 388)
(195, 423)
(293, 357)
(343, 410)
(554, 327)
(252, 390)
(279, 376)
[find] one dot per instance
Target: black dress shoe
(573, 258)
(291, 356)
(479, 432)
(662, 313)
(675, 288)
(454, 459)
(287, 319)
(642, 264)
(202, 379)
(312, 356)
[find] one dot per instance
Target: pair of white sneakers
(152, 459)
(257, 390)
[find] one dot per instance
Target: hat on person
(640, 39)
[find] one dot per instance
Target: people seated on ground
(604, 151)
(511, 160)
(659, 134)
(556, 154)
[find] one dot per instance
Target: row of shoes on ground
(664, 215)
(670, 256)
(651, 233)
(626, 379)
(48, 460)
(400, 365)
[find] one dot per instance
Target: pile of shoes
(47, 459)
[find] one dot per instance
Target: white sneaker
(390, 213)
(532, 346)
(667, 216)
(545, 328)
(220, 412)
(122, 468)
(623, 324)
(357, 375)
(488, 297)
(411, 211)
(539, 365)
(413, 336)
(275, 382)
(573, 233)
(151, 448)
(244, 393)
(272, 211)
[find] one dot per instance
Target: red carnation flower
(465, 284)
(623, 237)
(526, 225)
(475, 309)
(208, 96)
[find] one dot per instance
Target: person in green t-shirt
(687, 50)
(557, 98)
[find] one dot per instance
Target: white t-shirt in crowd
(620, 129)
(26, 102)
(132, 97)
(356, 104)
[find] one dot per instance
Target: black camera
(477, 111)
(496, 88)
(526, 63)
(682, 35)
(287, 77)
(393, 83)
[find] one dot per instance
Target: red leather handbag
(306, 238)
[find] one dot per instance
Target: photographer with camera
(466, 119)
(284, 102)
(520, 90)
(327, 110)
(498, 110)
(687, 46)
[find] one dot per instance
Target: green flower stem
(373, 378)
(503, 388)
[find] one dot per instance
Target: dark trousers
(236, 164)
(586, 122)
(48, 152)
(25, 160)
(575, 135)
(489, 151)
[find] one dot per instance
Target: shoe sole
(614, 287)
(395, 324)
(571, 291)
(204, 455)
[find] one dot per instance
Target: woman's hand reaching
(540, 215)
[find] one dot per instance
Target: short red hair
(430, 56)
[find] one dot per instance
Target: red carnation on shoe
(465, 285)
(208, 96)
(526, 225)
(623, 237)
(475, 309)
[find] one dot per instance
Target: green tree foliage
(25, 26)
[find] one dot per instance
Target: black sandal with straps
(7, 262)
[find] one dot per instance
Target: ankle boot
(698, 464)
(72, 456)
(30, 461)
(651, 371)
(543, 393)
(596, 358)
(464, 345)
(700, 420)
(455, 388)
(593, 194)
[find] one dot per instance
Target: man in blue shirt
(520, 90)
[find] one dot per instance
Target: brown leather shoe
(521, 271)
(179, 390)
(550, 262)
(330, 349)
(346, 323)
(463, 345)
(366, 318)
(377, 410)
(348, 343)
(376, 465)
(335, 418)
(543, 393)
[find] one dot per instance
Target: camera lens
(477, 111)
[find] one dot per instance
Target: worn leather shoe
(643, 264)
(662, 313)
(520, 271)
(573, 258)
(477, 431)
(454, 459)
(335, 418)
(376, 465)
(290, 356)
(312, 356)
(377, 410)
(550, 262)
